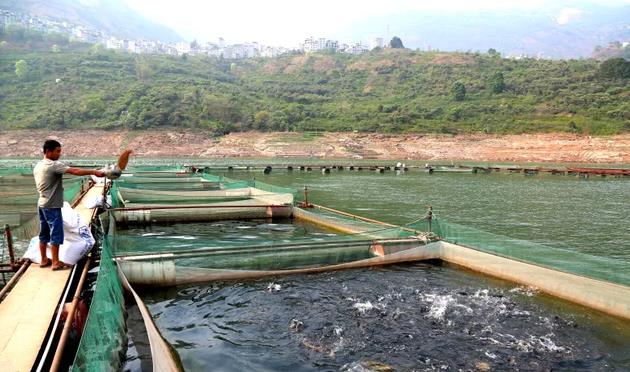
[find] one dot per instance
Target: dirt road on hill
(177, 143)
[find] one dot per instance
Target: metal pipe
(197, 206)
(263, 248)
(70, 315)
(14, 279)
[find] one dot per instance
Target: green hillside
(80, 86)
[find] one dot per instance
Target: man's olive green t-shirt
(48, 174)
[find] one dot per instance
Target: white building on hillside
(376, 42)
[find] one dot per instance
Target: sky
(287, 23)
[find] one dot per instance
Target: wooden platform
(27, 311)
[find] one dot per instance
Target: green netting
(193, 186)
(16, 198)
(157, 168)
(165, 181)
(264, 255)
(113, 192)
(612, 270)
(16, 180)
(15, 171)
(234, 184)
(358, 225)
(212, 177)
(143, 191)
(139, 195)
(161, 174)
(71, 189)
(103, 343)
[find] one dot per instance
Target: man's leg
(42, 250)
(56, 236)
(44, 237)
(54, 249)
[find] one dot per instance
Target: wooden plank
(26, 312)
(25, 315)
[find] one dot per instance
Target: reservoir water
(418, 316)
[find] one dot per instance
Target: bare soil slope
(177, 143)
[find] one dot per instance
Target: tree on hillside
(493, 53)
(459, 91)
(21, 69)
(15, 32)
(261, 119)
(497, 83)
(615, 68)
(96, 49)
(396, 43)
(143, 69)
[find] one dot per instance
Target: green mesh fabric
(115, 194)
(18, 198)
(233, 184)
(602, 268)
(308, 251)
(157, 168)
(15, 171)
(72, 188)
(104, 337)
(358, 225)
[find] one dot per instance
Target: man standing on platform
(48, 178)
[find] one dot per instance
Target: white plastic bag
(97, 201)
(78, 239)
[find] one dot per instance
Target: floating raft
(28, 310)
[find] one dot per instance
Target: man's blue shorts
(50, 226)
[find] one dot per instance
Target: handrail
(69, 317)
(14, 279)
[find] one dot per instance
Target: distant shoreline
(525, 148)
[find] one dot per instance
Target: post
(430, 217)
(305, 203)
(9, 238)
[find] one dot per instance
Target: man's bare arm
(85, 172)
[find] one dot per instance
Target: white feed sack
(78, 239)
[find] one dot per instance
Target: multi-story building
(376, 42)
(315, 45)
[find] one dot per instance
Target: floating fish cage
(154, 261)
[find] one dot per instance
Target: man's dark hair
(51, 145)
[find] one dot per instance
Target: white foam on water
(354, 367)
(273, 287)
(547, 343)
(363, 307)
(526, 291)
(153, 234)
(439, 304)
(340, 343)
(183, 237)
(524, 346)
